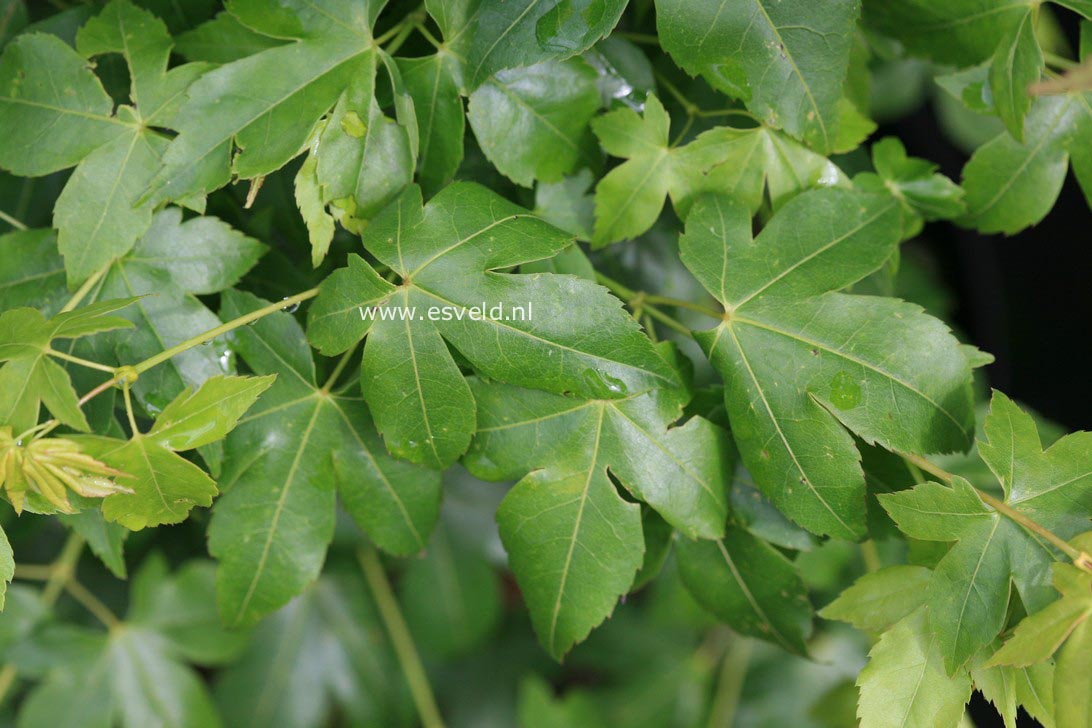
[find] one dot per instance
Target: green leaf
(800, 365)
(1017, 64)
(198, 418)
(97, 215)
(573, 542)
(365, 158)
(30, 378)
(107, 680)
(767, 54)
(532, 123)
(1038, 636)
(878, 600)
(214, 257)
(1073, 680)
(969, 594)
(684, 469)
(44, 84)
(181, 607)
(905, 683)
(749, 584)
(745, 163)
(448, 254)
(915, 183)
(1011, 185)
(451, 598)
(31, 271)
(271, 528)
(319, 660)
(568, 206)
(287, 89)
(540, 708)
(7, 566)
(222, 40)
(432, 81)
(524, 32)
(961, 32)
(581, 554)
(165, 485)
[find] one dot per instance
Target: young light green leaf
(7, 566)
(766, 53)
(198, 418)
(969, 594)
(878, 600)
(749, 584)
(905, 683)
(164, 486)
(1039, 635)
(1073, 679)
(532, 123)
(787, 351)
(742, 162)
(923, 192)
(30, 377)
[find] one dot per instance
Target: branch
(1079, 558)
(400, 638)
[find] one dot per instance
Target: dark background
(1026, 299)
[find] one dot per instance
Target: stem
(92, 603)
(128, 372)
(82, 362)
(687, 104)
(615, 287)
(17, 224)
(666, 320)
(733, 672)
(645, 38)
(429, 36)
(1053, 59)
(871, 555)
(223, 329)
(405, 28)
(62, 569)
(1079, 558)
(129, 410)
(33, 572)
(400, 638)
(338, 369)
(677, 303)
(706, 114)
(84, 289)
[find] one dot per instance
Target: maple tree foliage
(598, 328)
